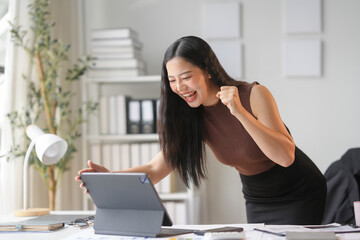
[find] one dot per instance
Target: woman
(241, 124)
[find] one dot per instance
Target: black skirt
(292, 195)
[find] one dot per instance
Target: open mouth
(189, 97)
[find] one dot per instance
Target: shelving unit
(137, 87)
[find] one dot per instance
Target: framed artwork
(222, 20)
(229, 53)
(302, 58)
(302, 16)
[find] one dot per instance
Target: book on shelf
(145, 155)
(117, 112)
(122, 111)
(115, 50)
(116, 157)
(125, 155)
(180, 213)
(106, 155)
(30, 226)
(113, 55)
(93, 119)
(115, 72)
(120, 42)
(95, 153)
(167, 184)
(114, 33)
(104, 115)
(135, 154)
(119, 63)
(113, 115)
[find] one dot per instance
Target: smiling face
(191, 83)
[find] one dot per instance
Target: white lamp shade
(49, 148)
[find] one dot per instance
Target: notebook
(127, 204)
(30, 226)
(41, 223)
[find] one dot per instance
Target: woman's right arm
(156, 169)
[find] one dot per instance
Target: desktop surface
(71, 232)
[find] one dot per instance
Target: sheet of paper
(88, 234)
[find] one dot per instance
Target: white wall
(322, 113)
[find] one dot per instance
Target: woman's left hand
(229, 96)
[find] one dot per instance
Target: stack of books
(117, 53)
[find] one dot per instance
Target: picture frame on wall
(302, 58)
(302, 16)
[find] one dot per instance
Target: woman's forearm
(156, 169)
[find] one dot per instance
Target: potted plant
(49, 96)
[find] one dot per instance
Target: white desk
(74, 233)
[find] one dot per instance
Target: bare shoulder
(261, 100)
(260, 91)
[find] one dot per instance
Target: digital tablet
(126, 204)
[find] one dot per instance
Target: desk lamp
(49, 149)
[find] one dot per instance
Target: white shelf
(133, 79)
(125, 138)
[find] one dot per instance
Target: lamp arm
(25, 174)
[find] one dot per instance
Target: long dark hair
(181, 127)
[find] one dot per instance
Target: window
(4, 8)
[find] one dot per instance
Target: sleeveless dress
(273, 194)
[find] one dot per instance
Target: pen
(269, 232)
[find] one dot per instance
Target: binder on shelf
(148, 113)
(134, 117)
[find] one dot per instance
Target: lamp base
(29, 212)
